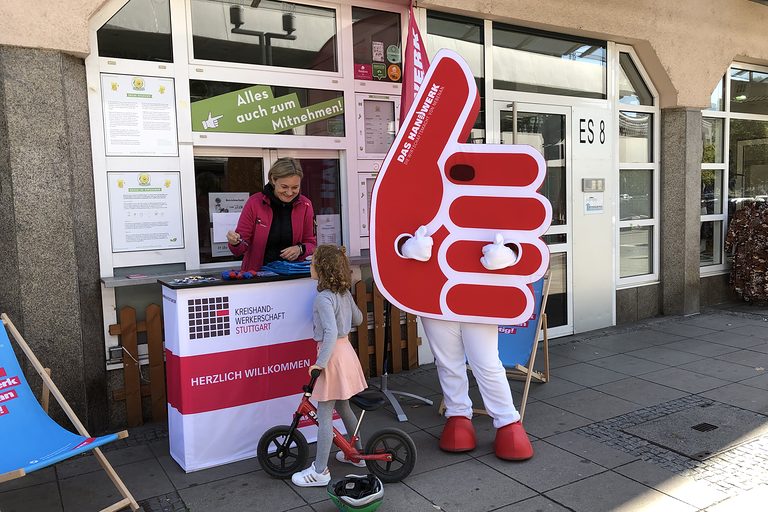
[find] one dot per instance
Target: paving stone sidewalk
(667, 414)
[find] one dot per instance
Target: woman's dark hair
(332, 267)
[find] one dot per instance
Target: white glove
(497, 255)
(418, 247)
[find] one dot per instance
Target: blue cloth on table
(288, 268)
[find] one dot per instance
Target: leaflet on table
(225, 208)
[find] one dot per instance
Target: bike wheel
(400, 445)
(288, 455)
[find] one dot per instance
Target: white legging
(455, 343)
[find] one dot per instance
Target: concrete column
(49, 276)
(681, 149)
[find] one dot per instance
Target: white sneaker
(311, 478)
(343, 458)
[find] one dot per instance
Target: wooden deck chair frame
(527, 373)
(128, 500)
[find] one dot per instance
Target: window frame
(727, 115)
(653, 166)
(260, 68)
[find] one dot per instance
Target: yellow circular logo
(138, 83)
(144, 179)
(393, 72)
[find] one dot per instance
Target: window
(265, 32)
(749, 91)
(465, 37)
(712, 176)
(548, 64)
(223, 185)
(377, 49)
(632, 88)
(638, 116)
(141, 30)
(734, 167)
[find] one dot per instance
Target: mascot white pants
(479, 343)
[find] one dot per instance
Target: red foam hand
(464, 194)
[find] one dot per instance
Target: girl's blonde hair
(332, 267)
(283, 168)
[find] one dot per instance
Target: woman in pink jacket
(277, 223)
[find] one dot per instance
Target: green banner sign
(256, 110)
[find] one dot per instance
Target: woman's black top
(280, 231)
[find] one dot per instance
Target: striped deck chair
(31, 440)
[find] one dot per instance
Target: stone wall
(49, 277)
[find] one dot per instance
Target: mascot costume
(455, 239)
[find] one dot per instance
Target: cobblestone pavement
(737, 470)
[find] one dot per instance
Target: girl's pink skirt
(342, 377)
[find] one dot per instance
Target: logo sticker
(208, 317)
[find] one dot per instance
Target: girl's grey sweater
(333, 315)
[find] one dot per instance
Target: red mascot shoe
(458, 435)
(512, 443)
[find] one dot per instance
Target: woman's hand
(314, 367)
(291, 253)
(233, 237)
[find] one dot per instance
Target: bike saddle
(369, 400)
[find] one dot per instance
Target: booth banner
(237, 357)
(255, 109)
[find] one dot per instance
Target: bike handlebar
(314, 374)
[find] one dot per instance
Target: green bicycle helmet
(358, 493)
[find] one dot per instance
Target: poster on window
(379, 119)
(145, 210)
(328, 229)
(139, 115)
(256, 109)
(225, 208)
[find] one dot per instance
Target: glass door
(322, 184)
(546, 128)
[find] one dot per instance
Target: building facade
(652, 117)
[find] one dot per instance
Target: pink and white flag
(415, 65)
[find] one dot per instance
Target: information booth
(237, 354)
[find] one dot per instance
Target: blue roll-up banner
(516, 341)
(29, 438)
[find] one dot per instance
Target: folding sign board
(464, 194)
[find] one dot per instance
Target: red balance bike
(389, 453)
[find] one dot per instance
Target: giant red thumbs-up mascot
(455, 238)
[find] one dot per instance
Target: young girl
(333, 314)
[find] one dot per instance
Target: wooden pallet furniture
(136, 384)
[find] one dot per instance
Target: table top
(203, 280)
